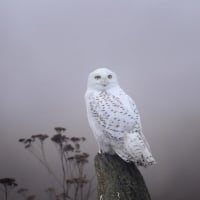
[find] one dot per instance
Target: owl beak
(104, 82)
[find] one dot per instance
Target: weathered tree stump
(119, 180)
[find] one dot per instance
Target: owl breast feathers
(114, 119)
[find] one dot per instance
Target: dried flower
(29, 140)
(8, 182)
(83, 138)
(21, 140)
(77, 146)
(72, 161)
(81, 158)
(22, 190)
(41, 137)
(60, 129)
(86, 155)
(58, 138)
(27, 146)
(68, 147)
(31, 197)
(71, 158)
(69, 181)
(75, 139)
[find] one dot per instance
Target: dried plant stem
(43, 153)
(45, 165)
(64, 173)
(90, 191)
(5, 192)
(76, 191)
(81, 192)
(73, 182)
(67, 164)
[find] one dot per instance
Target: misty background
(47, 50)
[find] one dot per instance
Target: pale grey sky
(47, 49)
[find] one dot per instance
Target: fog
(47, 50)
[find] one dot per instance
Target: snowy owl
(114, 119)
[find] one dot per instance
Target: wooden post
(119, 180)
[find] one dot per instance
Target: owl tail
(134, 149)
(146, 159)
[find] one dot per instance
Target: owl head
(102, 79)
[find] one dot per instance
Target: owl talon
(100, 151)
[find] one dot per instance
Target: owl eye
(109, 76)
(97, 77)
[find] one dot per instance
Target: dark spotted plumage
(112, 115)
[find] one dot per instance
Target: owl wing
(139, 125)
